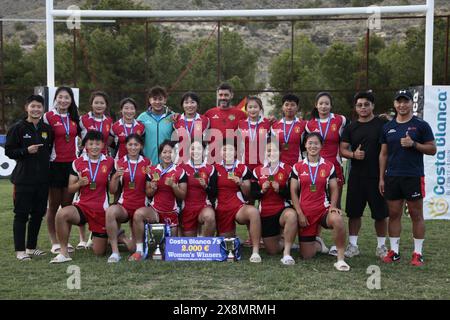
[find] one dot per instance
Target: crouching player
(89, 177)
(166, 184)
(310, 179)
(271, 186)
(131, 173)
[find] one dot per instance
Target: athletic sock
(139, 247)
(395, 243)
(381, 241)
(418, 244)
(353, 240)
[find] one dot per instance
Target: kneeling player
(272, 188)
(89, 177)
(131, 174)
(311, 177)
(232, 178)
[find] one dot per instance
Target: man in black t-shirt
(360, 143)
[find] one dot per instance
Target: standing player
(89, 177)
(131, 172)
(233, 180)
(158, 122)
(168, 183)
(312, 176)
(29, 142)
(272, 188)
(254, 132)
(330, 126)
(404, 141)
(223, 119)
(190, 125)
(289, 131)
(64, 122)
(360, 143)
(98, 119)
(126, 126)
(197, 209)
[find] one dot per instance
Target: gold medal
(271, 178)
(230, 175)
(196, 175)
(312, 188)
(131, 185)
(93, 186)
(285, 147)
(67, 138)
(156, 176)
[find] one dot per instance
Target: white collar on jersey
(159, 167)
(296, 119)
(140, 159)
(56, 112)
(321, 161)
(324, 120)
(202, 165)
(260, 120)
(231, 165)
(121, 122)
(86, 158)
(197, 117)
(91, 115)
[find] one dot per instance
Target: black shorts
(404, 188)
(59, 174)
(83, 221)
(360, 191)
(270, 226)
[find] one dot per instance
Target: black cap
(404, 93)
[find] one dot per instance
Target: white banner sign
(437, 168)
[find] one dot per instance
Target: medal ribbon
(326, 129)
(96, 170)
(132, 172)
(253, 136)
(286, 138)
(163, 172)
(126, 130)
(66, 125)
(187, 125)
(313, 180)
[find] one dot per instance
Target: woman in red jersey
(126, 126)
(167, 184)
(233, 183)
(271, 187)
(64, 122)
(197, 211)
(89, 178)
(189, 125)
(131, 173)
(309, 181)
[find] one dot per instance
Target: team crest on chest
(44, 135)
(297, 130)
(323, 173)
(333, 127)
(231, 117)
(104, 168)
(203, 175)
(280, 176)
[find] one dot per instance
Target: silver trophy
(157, 233)
(230, 246)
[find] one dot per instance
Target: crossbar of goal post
(428, 9)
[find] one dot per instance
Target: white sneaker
(323, 247)
(351, 251)
(381, 251)
(287, 260)
(255, 258)
(114, 258)
(60, 258)
(22, 256)
(333, 251)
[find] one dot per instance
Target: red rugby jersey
(164, 199)
(120, 133)
(63, 150)
(313, 203)
(133, 197)
(96, 200)
(330, 148)
(293, 154)
(190, 128)
(254, 138)
(272, 202)
(229, 194)
(196, 194)
(88, 122)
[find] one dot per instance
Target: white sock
(139, 247)
(381, 241)
(418, 243)
(353, 240)
(395, 243)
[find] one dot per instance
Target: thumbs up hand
(359, 154)
(407, 142)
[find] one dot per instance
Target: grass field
(316, 279)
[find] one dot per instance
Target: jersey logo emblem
(104, 168)
(44, 135)
(392, 131)
(323, 173)
(231, 117)
(27, 136)
(333, 127)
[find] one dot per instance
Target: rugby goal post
(51, 13)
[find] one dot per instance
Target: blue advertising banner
(194, 249)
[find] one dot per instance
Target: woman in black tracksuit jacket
(29, 142)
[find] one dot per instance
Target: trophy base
(230, 259)
(157, 257)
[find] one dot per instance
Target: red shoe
(391, 257)
(417, 260)
(137, 256)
